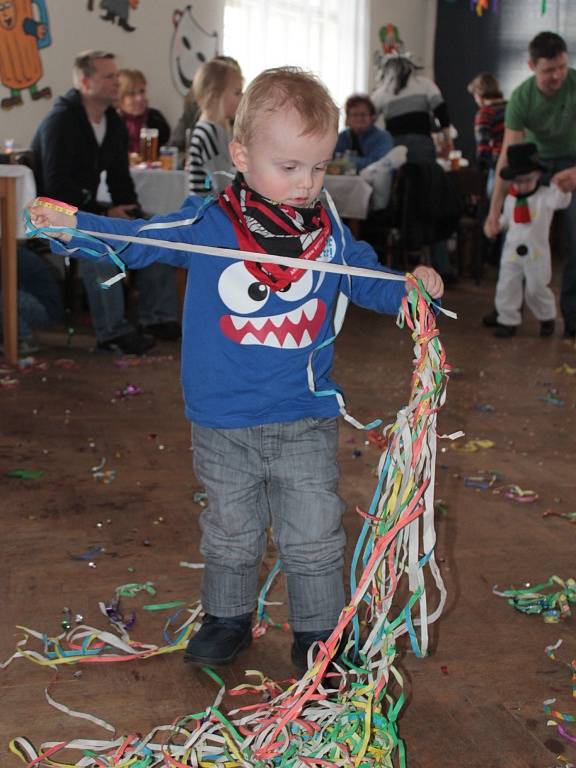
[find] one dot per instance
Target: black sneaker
(169, 331)
(133, 343)
(547, 328)
(219, 640)
(301, 646)
(491, 319)
(504, 331)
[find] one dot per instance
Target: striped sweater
(489, 133)
(209, 161)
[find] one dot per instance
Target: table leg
(9, 267)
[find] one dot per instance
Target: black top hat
(522, 159)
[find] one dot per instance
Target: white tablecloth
(158, 191)
(351, 195)
(162, 191)
(25, 190)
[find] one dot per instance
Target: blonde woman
(134, 110)
(217, 90)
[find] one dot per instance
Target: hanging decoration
(479, 6)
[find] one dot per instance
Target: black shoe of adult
(169, 331)
(108, 16)
(301, 646)
(491, 319)
(125, 26)
(504, 331)
(547, 328)
(219, 640)
(133, 343)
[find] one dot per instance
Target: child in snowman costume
(525, 268)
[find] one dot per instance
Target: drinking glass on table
(149, 145)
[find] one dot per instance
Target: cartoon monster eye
(299, 289)
(240, 291)
(186, 43)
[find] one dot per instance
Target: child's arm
(507, 214)
(135, 255)
(557, 198)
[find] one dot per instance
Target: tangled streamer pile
(344, 710)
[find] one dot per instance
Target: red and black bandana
(267, 227)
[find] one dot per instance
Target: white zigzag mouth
(292, 330)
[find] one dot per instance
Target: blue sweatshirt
(375, 143)
(245, 348)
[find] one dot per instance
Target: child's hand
(431, 281)
(44, 216)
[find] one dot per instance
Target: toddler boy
(265, 443)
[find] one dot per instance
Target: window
(327, 37)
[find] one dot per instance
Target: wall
(73, 27)
(416, 22)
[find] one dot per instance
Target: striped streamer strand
(344, 710)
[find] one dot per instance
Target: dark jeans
(568, 287)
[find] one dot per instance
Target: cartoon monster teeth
(239, 322)
(296, 329)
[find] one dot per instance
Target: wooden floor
(474, 702)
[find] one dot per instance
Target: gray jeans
(282, 475)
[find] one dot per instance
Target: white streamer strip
(231, 253)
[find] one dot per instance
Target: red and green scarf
(521, 207)
(267, 227)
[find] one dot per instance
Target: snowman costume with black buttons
(525, 267)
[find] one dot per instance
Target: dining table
(17, 188)
(351, 195)
(162, 191)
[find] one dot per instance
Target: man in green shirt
(543, 110)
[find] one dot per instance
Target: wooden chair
(470, 185)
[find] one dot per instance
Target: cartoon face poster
(191, 45)
(24, 31)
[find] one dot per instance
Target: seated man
(81, 137)
(363, 142)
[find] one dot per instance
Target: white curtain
(327, 37)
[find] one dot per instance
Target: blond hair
(129, 80)
(210, 82)
(84, 64)
(286, 88)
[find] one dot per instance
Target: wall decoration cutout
(22, 35)
(191, 45)
(116, 9)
